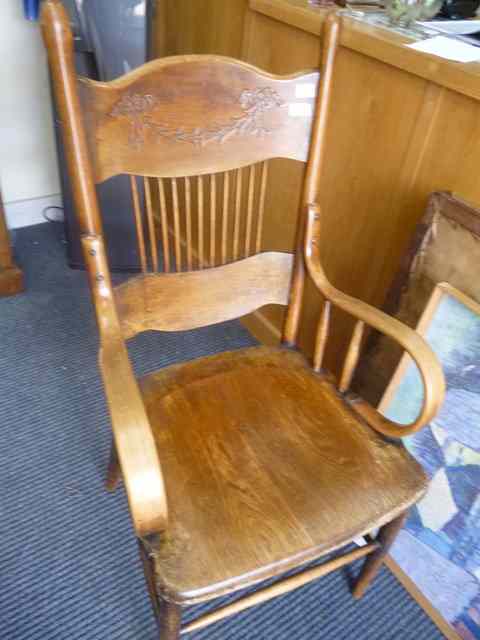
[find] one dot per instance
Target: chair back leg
(113, 472)
(386, 537)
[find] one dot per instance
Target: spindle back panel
(192, 223)
(198, 132)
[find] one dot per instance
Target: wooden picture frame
(442, 544)
(445, 247)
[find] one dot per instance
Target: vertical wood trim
(238, 208)
(312, 176)
(188, 222)
(164, 223)
(151, 223)
(261, 206)
(420, 137)
(322, 336)
(201, 230)
(176, 226)
(251, 193)
(226, 198)
(213, 208)
(351, 359)
(138, 223)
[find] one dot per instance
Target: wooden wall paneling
(395, 135)
(367, 143)
(201, 26)
(374, 123)
(265, 44)
(452, 157)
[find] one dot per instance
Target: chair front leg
(169, 620)
(167, 614)
(386, 537)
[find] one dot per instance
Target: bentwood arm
(136, 449)
(426, 361)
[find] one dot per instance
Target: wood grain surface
(239, 466)
(191, 115)
(11, 278)
(183, 301)
(274, 469)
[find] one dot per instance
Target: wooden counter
(402, 124)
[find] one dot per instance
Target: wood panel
(266, 42)
(403, 124)
(201, 26)
(11, 279)
(387, 145)
(188, 116)
(181, 301)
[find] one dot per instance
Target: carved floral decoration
(137, 108)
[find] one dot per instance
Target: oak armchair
(240, 466)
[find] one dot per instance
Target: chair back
(196, 134)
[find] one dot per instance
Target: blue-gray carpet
(69, 565)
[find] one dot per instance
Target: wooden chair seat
(266, 467)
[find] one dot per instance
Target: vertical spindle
(226, 198)
(351, 359)
(322, 336)
(138, 223)
(261, 206)
(213, 208)
(251, 193)
(176, 226)
(188, 223)
(164, 223)
(200, 222)
(238, 206)
(151, 223)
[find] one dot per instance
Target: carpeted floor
(69, 566)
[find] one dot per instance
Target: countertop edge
(377, 43)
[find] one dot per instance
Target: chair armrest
(134, 440)
(136, 449)
(429, 367)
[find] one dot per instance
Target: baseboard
(23, 213)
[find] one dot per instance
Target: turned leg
(169, 621)
(113, 473)
(167, 614)
(386, 537)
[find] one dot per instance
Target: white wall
(28, 166)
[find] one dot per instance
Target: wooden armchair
(240, 466)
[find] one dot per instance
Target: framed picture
(437, 554)
(445, 248)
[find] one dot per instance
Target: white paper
(448, 48)
(305, 90)
(456, 27)
(300, 109)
